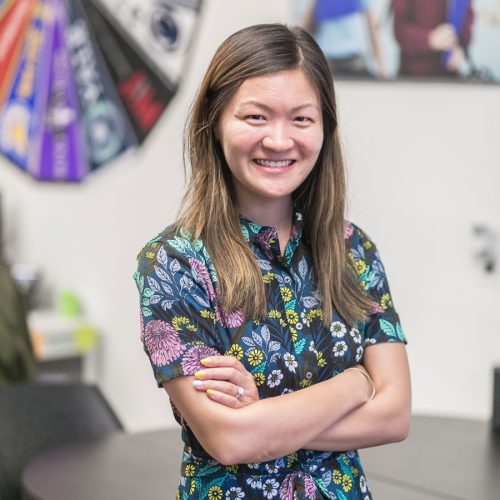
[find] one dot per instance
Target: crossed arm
(331, 415)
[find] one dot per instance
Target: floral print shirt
(182, 323)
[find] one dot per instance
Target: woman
(262, 268)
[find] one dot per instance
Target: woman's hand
(222, 379)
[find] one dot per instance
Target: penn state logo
(164, 26)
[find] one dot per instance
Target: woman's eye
(303, 119)
(255, 117)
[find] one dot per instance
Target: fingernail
(205, 361)
(199, 374)
(210, 392)
(197, 383)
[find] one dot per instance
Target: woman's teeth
(266, 163)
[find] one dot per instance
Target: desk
(443, 458)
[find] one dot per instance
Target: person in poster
(348, 34)
(433, 36)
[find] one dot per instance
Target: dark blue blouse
(182, 323)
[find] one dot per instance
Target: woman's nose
(278, 139)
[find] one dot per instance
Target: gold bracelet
(367, 378)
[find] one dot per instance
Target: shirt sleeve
(383, 324)
(178, 310)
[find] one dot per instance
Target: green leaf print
(148, 292)
(198, 245)
(387, 328)
(207, 470)
(299, 346)
(244, 230)
(399, 331)
(146, 311)
(259, 368)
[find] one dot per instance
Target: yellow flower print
(189, 470)
(205, 313)
(291, 459)
(215, 493)
(150, 255)
(255, 357)
(286, 293)
(386, 301)
(282, 322)
(268, 277)
(337, 477)
(192, 488)
(273, 313)
(305, 383)
(236, 351)
(367, 245)
(321, 359)
(259, 378)
(232, 468)
(355, 471)
(344, 458)
(294, 334)
(346, 483)
(313, 314)
(179, 321)
(292, 317)
(360, 267)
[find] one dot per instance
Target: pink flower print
(288, 486)
(203, 275)
(162, 342)
(348, 230)
(231, 320)
(376, 309)
(191, 360)
(262, 240)
(141, 317)
(309, 487)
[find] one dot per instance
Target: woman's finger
(221, 373)
(225, 399)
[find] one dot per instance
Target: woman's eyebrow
(253, 102)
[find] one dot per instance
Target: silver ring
(241, 391)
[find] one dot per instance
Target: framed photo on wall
(449, 40)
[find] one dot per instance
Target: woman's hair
(209, 209)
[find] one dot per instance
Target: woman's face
(271, 133)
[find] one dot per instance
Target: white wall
(423, 167)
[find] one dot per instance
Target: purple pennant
(63, 156)
(21, 117)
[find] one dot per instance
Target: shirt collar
(266, 237)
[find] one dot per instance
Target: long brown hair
(209, 211)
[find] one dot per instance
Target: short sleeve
(177, 308)
(383, 324)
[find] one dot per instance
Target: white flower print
(370, 341)
(290, 362)
(254, 482)
(338, 329)
(274, 379)
(234, 493)
(304, 319)
(311, 346)
(270, 488)
(339, 349)
(287, 390)
(362, 484)
(359, 353)
(298, 326)
(253, 466)
(356, 335)
(271, 468)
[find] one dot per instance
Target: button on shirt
(182, 323)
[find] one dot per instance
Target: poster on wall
(85, 81)
(424, 40)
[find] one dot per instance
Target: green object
(69, 305)
(17, 362)
(85, 338)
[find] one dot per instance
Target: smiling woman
(266, 316)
